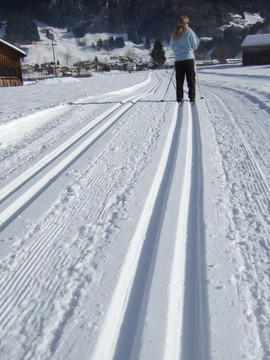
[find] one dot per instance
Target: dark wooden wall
(256, 55)
(10, 66)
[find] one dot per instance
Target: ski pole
(198, 81)
(168, 85)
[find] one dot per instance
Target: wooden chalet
(256, 49)
(10, 64)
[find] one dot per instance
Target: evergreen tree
(158, 54)
(119, 42)
(99, 44)
(111, 44)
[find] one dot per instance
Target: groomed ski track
(161, 278)
(162, 261)
(130, 228)
(69, 157)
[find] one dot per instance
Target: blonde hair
(182, 26)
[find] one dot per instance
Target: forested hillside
(138, 18)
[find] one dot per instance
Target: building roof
(13, 47)
(256, 40)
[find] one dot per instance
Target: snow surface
(131, 228)
(256, 40)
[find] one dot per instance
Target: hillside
(149, 18)
(138, 18)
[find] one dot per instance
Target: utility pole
(53, 45)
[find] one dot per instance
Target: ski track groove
(172, 349)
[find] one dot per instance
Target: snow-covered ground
(70, 50)
(131, 228)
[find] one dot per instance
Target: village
(83, 68)
(14, 68)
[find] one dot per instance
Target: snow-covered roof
(256, 40)
(12, 46)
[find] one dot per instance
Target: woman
(183, 43)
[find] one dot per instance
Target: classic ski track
(57, 112)
(4, 192)
(40, 246)
(114, 342)
(250, 199)
(19, 203)
(26, 278)
(18, 285)
(172, 348)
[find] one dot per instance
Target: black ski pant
(182, 69)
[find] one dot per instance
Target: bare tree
(67, 56)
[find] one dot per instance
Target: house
(10, 64)
(256, 49)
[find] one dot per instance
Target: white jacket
(185, 45)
